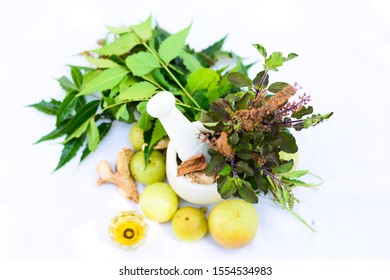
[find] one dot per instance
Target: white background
(343, 63)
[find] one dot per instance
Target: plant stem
(262, 81)
(171, 74)
(178, 102)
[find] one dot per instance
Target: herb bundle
(131, 65)
(251, 129)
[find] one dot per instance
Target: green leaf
(162, 80)
(173, 46)
(243, 167)
(215, 165)
(304, 111)
(107, 79)
(143, 30)
(296, 182)
(101, 62)
(190, 62)
(226, 187)
(201, 79)
(276, 87)
(142, 63)
(226, 170)
(259, 78)
(239, 79)
(93, 135)
(56, 133)
(246, 192)
(261, 50)
(122, 113)
(103, 130)
(48, 107)
(69, 151)
(66, 84)
(77, 132)
(207, 57)
(295, 174)
(137, 92)
(275, 60)
(77, 76)
(82, 116)
(118, 30)
(66, 108)
(145, 120)
(119, 46)
(243, 103)
(158, 133)
(287, 166)
(291, 56)
(288, 143)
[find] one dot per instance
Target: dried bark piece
(194, 163)
(200, 177)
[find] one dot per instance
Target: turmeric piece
(122, 177)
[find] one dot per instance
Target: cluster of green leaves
(132, 64)
(255, 167)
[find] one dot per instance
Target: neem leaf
(261, 50)
(143, 30)
(118, 30)
(107, 79)
(276, 87)
(57, 132)
(77, 76)
(77, 132)
(48, 107)
(82, 116)
(66, 108)
(122, 113)
(201, 79)
(239, 79)
(172, 46)
(145, 120)
(190, 62)
(69, 151)
(137, 92)
(93, 135)
(142, 63)
(158, 133)
(66, 84)
(101, 62)
(103, 130)
(275, 60)
(120, 45)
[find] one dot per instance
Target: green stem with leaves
(171, 74)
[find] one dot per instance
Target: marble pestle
(183, 135)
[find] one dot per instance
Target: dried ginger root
(122, 177)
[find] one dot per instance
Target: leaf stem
(262, 80)
(171, 74)
(178, 102)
